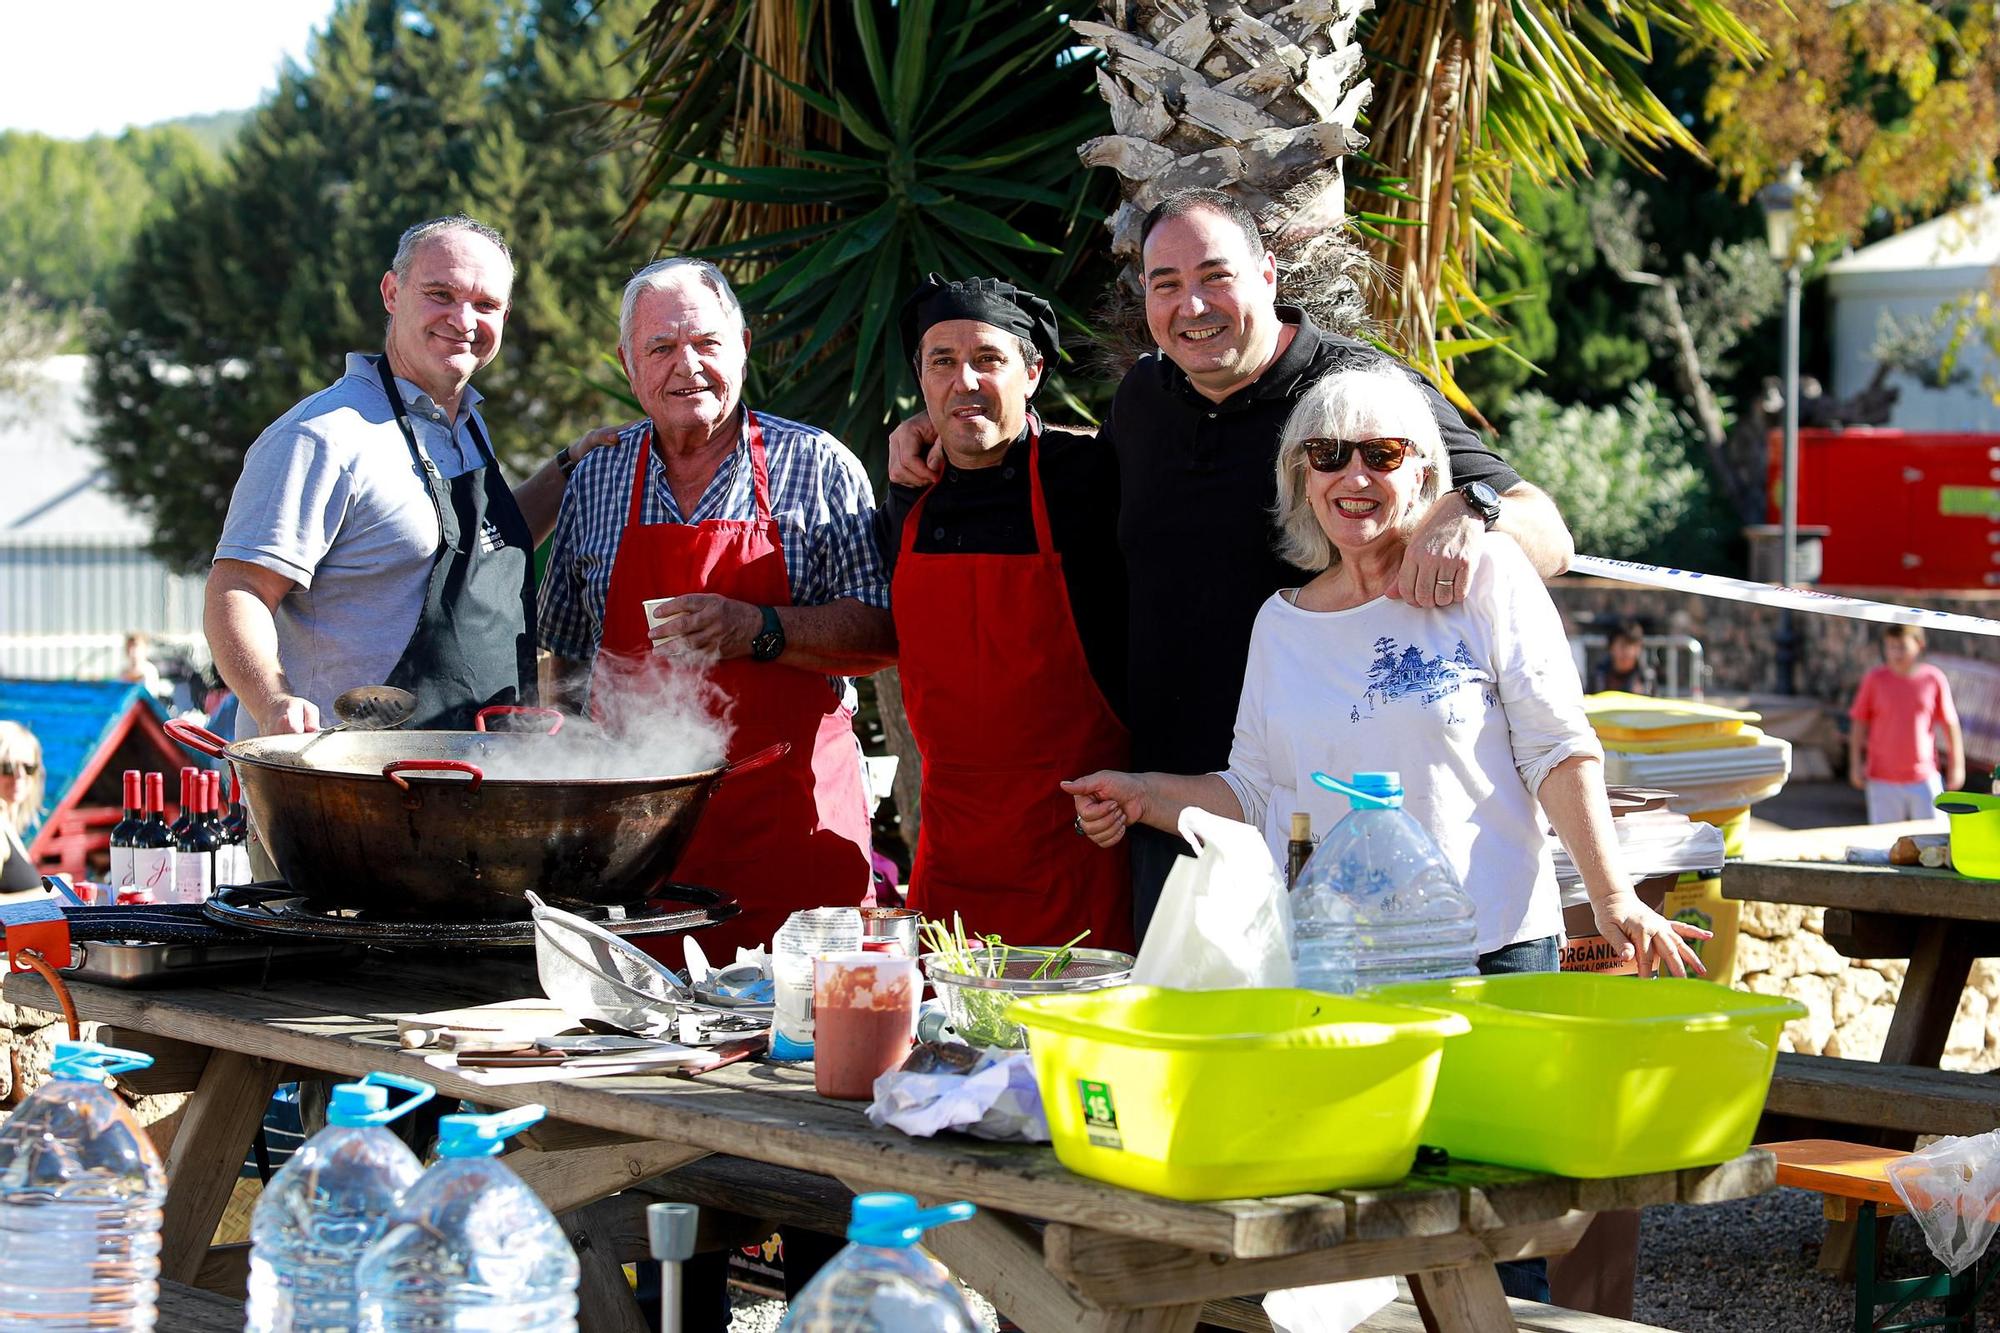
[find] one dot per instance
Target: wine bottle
(125, 833)
(153, 851)
(194, 848)
(236, 835)
(178, 829)
(1299, 849)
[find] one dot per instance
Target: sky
(73, 68)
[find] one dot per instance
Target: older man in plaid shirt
(760, 531)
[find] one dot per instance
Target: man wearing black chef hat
(1009, 600)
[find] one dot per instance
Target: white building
(75, 576)
(1910, 276)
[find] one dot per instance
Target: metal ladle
(368, 708)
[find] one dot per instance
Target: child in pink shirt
(1895, 716)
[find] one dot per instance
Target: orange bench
(1852, 1180)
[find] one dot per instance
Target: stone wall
(1781, 951)
(1740, 640)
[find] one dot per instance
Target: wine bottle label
(192, 872)
(121, 867)
(153, 873)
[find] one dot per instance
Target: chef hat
(987, 300)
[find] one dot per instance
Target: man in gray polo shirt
(371, 539)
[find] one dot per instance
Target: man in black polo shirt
(1195, 429)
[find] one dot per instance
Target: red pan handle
(197, 738)
(763, 758)
(394, 772)
(479, 720)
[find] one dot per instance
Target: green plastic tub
(1592, 1076)
(1236, 1093)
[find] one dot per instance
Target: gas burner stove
(277, 909)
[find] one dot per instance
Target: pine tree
(246, 295)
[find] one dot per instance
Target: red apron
(1003, 707)
(793, 834)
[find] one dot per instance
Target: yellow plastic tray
(1592, 1076)
(1230, 1094)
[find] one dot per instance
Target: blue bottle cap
(1368, 791)
(367, 1102)
(483, 1135)
(90, 1061)
(893, 1221)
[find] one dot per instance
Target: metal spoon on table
(368, 708)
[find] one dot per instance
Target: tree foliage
(244, 297)
(1892, 106)
(898, 139)
(1628, 476)
(69, 209)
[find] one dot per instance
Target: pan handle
(479, 719)
(197, 738)
(763, 758)
(394, 772)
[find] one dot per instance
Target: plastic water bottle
(326, 1206)
(470, 1249)
(882, 1281)
(80, 1195)
(1378, 902)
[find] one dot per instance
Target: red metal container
(1904, 509)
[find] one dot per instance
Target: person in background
(1893, 724)
(1624, 667)
(1476, 704)
(21, 779)
(138, 666)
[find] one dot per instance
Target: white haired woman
(1477, 704)
(20, 804)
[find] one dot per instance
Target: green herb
(980, 1014)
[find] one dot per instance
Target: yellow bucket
(1232, 1094)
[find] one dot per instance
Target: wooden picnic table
(1054, 1251)
(1938, 919)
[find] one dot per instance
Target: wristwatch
(1482, 500)
(770, 640)
(565, 462)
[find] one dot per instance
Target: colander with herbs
(977, 979)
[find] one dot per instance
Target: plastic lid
(483, 1135)
(1367, 791)
(894, 1221)
(89, 1061)
(367, 1102)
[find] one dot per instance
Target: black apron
(474, 644)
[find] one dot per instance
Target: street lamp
(1784, 204)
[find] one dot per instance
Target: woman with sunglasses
(1476, 704)
(20, 803)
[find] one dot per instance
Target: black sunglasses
(18, 768)
(1385, 454)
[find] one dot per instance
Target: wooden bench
(1908, 1099)
(1852, 1180)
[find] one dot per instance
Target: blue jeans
(1527, 1279)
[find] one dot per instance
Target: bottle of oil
(1300, 849)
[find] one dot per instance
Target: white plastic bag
(1332, 1307)
(996, 1099)
(1952, 1188)
(1223, 922)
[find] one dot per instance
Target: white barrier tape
(1765, 594)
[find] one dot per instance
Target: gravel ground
(1746, 1267)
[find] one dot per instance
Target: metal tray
(136, 963)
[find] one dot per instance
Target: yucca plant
(929, 135)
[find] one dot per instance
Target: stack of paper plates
(1712, 758)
